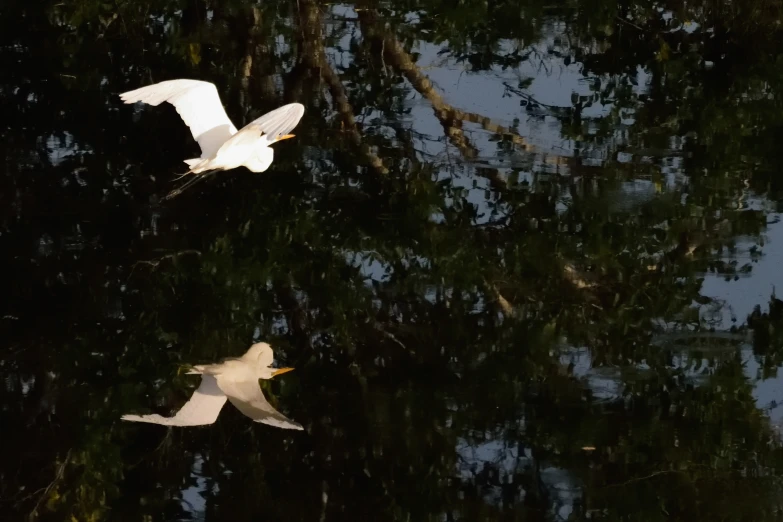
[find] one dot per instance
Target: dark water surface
(522, 254)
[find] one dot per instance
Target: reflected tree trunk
(295, 314)
(256, 69)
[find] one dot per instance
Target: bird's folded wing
(249, 399)
(198, 103)
(276, 123)
(202, 408)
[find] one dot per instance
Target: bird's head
(261, 356)
(265, 155)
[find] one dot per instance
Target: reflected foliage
(530, 344)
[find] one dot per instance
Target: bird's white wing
(279, 121)
(276, 123)
(198, 103)
(202, 408)
(249, 399)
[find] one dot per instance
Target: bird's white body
(235, 380)
(249, 151)
(222, 146)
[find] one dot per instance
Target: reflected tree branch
(449, 116)
(44, 493)
(314, 52)
(156, 262)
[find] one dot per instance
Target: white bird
(235, 379)
(222, 147)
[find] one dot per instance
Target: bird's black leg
(186, 185)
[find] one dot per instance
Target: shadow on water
(522, 255)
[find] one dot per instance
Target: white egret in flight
(222, 147)
(235, 379)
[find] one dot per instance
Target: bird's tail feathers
(197, 166)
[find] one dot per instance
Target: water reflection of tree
(450, 341)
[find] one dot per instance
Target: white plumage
(222, 147)
(236, 380)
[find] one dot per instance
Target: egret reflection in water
(235, 379)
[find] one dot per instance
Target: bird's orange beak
(281, 370)
(287, 136)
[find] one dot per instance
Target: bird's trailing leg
(181, 176)
(186, 185)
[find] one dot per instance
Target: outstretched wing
(198, 103)
(249, 399)
(276, 123)
(202, 408)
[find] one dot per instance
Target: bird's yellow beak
(281, 370)
(287, 136)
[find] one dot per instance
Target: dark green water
(522, 254)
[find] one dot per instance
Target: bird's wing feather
(202, 408)
(276, 123)
(249, 399)
(199, 105)
(267, 128)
